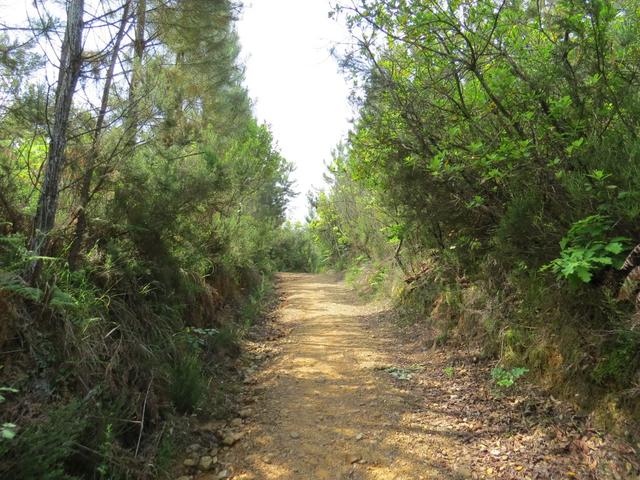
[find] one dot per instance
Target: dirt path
(324, 407)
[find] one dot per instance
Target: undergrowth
(575, 344)
(110, 343)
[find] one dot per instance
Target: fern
(13, 283)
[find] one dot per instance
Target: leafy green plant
(402, 373)
(449, 371)
(7, 429)
(105, 452)
(6, 390)
(586, 250)
(199, 337)
(507, 378)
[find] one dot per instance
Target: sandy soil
(344, 396)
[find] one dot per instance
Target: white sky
(296, 84)
(292, 78)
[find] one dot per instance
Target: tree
(68, 74)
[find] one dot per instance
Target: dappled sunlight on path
(323, 412)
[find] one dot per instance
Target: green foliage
(42, 450)
(507, 378)
(585, 250)
(403, 373)
(4, 390)
(186, 380)
(491, 144)
(170, 223)
(106, 452)
(294, 249)
(166, 455)
(7, 429)
(255, 303)
(378, 278)
(449, 372)
(619, 359)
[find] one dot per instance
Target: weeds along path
(345, 398)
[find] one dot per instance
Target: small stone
(185, 477)
(245, 412)
(211, 426)
(190, 462)
(205, 463)
(195, 447)
(354, 459)
(294, 435)
(223, 474)
(359, 436)
(213, 452)
(232, 438)
(236, 422)
(267, 459)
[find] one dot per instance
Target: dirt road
(345, 397)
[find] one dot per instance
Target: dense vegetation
(491, 182)
(490, 185)
(141, 207)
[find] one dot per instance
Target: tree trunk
(85, 187)
(69, 72)
(131, 128)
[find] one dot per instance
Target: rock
(294, 435)
(232, 438)
(193, 448)
(236, 422)
(213, 452)
(190, 462)
(211, 426)
(359, 436)
(206, 463)
(223, 474)
(354, 459)
(267, 459)
(245, 412)
(185, 477)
